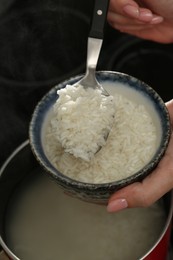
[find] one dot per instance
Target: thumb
(169, 105)
(141, 194)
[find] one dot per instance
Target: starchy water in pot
(44, 223)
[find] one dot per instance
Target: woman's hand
(147, 19)
(153, 187)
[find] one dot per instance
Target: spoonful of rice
(85, 111)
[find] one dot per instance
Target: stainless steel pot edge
(2, 243)
(168, 222)
(20, 147)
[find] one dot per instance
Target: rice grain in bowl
(135, 145)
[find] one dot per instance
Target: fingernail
(117, 205)
(131, 10)
(156, 20)
(145, 16)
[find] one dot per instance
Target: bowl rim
(64, 180)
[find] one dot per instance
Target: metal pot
(20, 166)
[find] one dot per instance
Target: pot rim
(16, 151)
(167, 224)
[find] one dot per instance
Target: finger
(123, 24)
(126, 24)
(142, 14)
(117, 6)
(122, 20)
(169, 105)
(147, 33)
(132, 29)
(131, 9)
(156, 19)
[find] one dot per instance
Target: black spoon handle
(99, 18)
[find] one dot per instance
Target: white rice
(130, 146)
(83, 118)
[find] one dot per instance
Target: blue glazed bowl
(98, 193)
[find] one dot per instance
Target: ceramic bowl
(100, 192)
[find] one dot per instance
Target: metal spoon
(95, 41)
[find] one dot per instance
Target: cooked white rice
(130, 146)
(83, 118)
